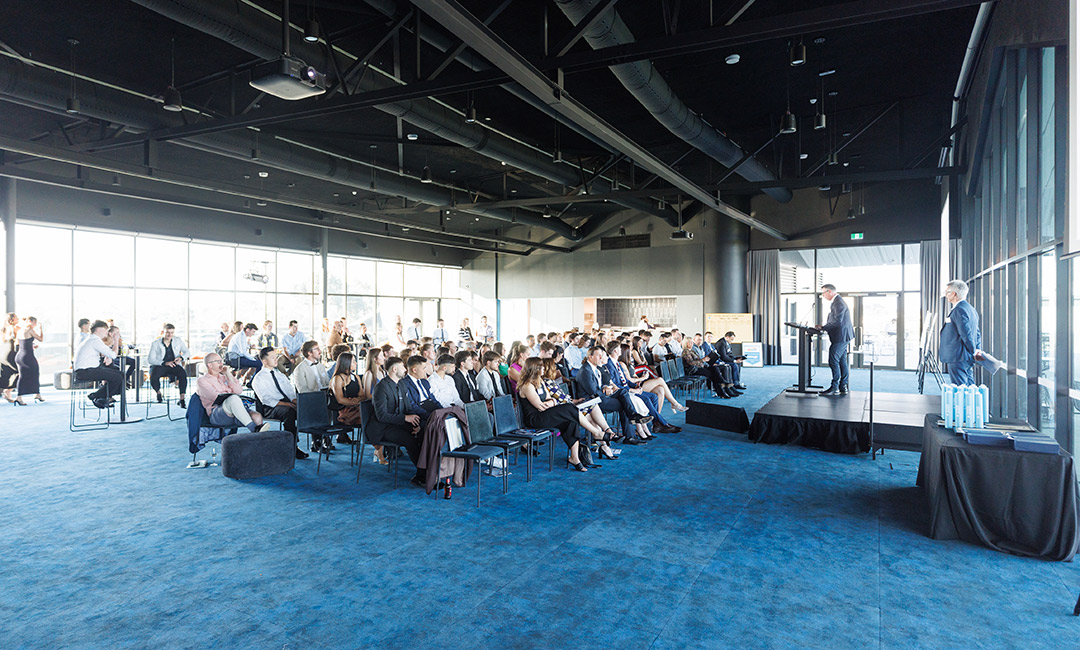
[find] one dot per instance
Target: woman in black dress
(8, 368)
(540, 411)
(29, 379)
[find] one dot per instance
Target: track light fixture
(425, 176)
(797, 53)
(73, 100)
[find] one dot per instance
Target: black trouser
(286, 414)
(404, 437)
(113, 380)
(176, 372)
(715, 376)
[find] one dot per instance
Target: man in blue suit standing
(960, 335)
(840, 334)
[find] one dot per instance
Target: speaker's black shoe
(830, 392)
(740, 386)
(843, 390)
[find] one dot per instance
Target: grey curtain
(931, 287)
(764, 282)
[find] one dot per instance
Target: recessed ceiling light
(502, 162)
(291, 185)
(834, 93)
(263, 174)
(846, 164)
(813, 100)
(819, 40)
(247, 176)
(826, 72)
(413, 136)
(731, 59)
(487, 119)
(846, 134)
(804, 156)
(824, 188)
(513, 191)
(354, 192)
(261, 204)
(336, 195)
(476, 218)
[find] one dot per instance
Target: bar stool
(80, 390)
(168, 397)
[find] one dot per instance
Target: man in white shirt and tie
(414, 332)
(441, 335)
(94, 362)
(488, 380)
(277, 397)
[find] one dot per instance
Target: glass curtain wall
(1020, 285)
(881, 287)
(141, 282)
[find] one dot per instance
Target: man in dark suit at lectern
(841, 333)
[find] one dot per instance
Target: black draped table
(1018, 502)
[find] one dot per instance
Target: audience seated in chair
(166, 358)
(95, 361)
(393, 424)
(593, 381)
(219, 393)
(276, 395)
(621, 378)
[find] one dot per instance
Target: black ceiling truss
(86, 161)
(452, 16)
(575, 34)
(852, 138)
(774, 28)
(416, 90)
(452, 54)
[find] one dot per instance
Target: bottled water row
(965, 406)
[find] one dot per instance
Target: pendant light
(172, 95)
(788, 123)
(797, 53)
(819, 117)
(73, 99)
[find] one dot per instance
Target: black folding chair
(507, 425)
(456, 447)
(482, 432)
(313, 418)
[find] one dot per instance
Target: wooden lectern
(806, 335)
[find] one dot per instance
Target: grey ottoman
(251, 455)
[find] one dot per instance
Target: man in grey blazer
(841, 332)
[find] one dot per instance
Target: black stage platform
(842, 424)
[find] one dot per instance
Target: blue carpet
(701, 539)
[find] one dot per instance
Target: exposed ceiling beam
(854, 177)
(452, 16)
(334, 106)
(575, 34)
(452, 54)
(852, 138)
(735, 186)
(56, 154)
(777, 27)
(158, 197)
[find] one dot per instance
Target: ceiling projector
(681, 234)
(288, 78)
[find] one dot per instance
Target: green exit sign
(856, 235)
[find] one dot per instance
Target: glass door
(876, 317)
